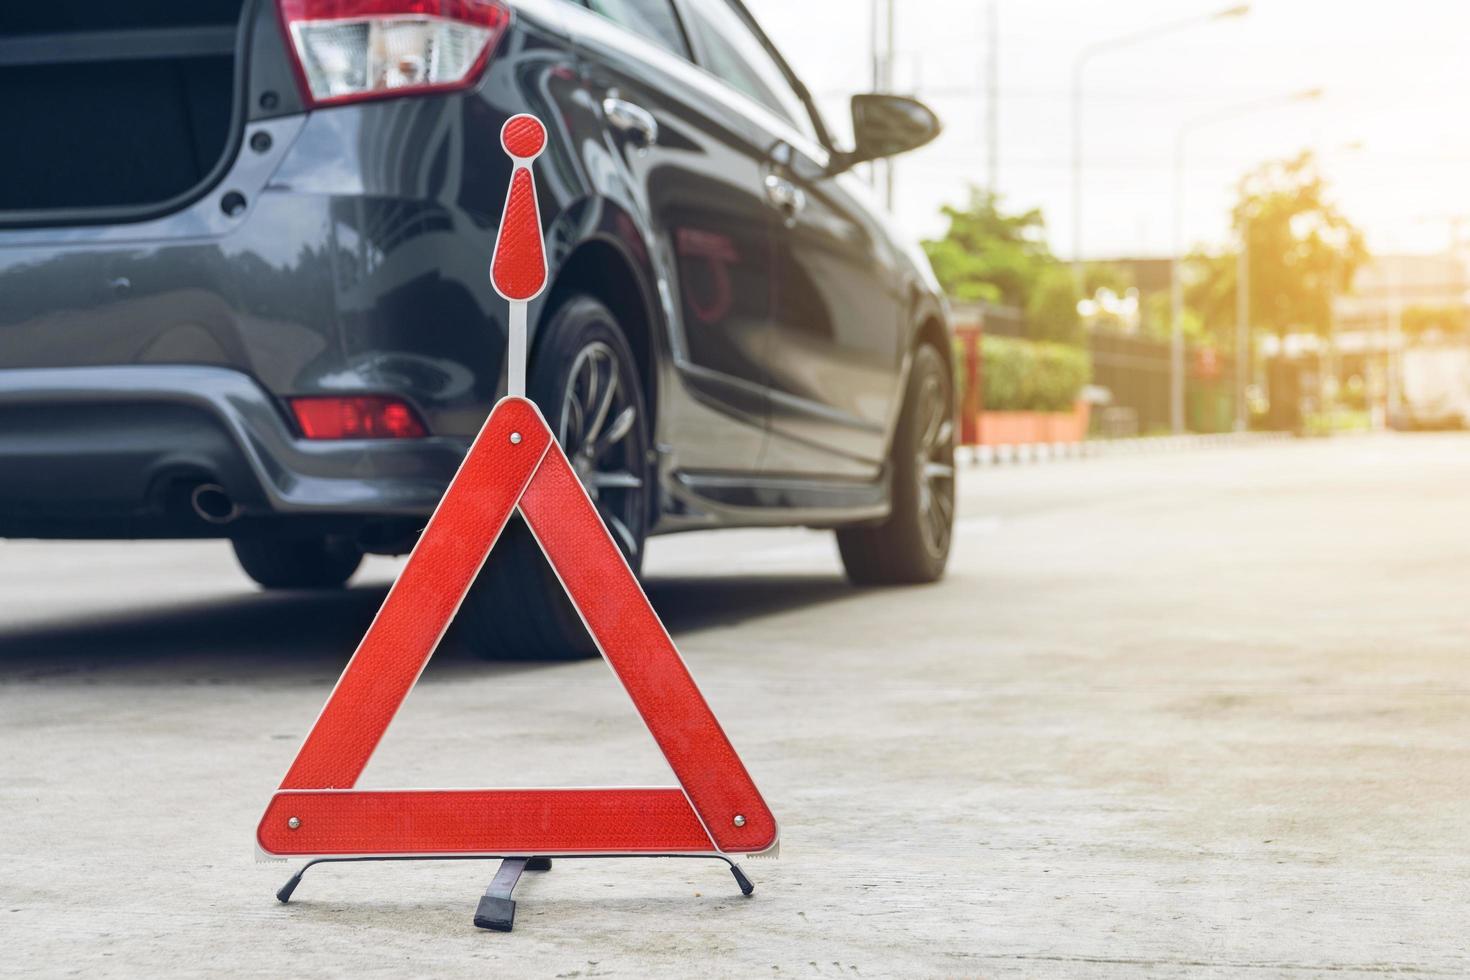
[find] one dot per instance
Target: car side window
(653, 20)
(730, 51)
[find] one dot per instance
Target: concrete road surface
(1195, 713)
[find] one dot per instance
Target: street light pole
(1333, 353)
(877, 65)
(992, 100)
(1079, 62)
(1176, 278)
(888, 59)
(1176, 296)
(1242, 325)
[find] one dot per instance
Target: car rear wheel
(585, 380)
(324, 562)
(912, 545)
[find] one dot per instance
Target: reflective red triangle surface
(716, 807)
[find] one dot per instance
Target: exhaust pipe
(213, 504)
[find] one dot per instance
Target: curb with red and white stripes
(1042, 452)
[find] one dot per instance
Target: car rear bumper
(115, 452)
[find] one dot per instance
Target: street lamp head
(1239, 10)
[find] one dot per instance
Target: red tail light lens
(347, 50)
(357, 417)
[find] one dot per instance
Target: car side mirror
(887, 125)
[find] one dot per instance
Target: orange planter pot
(1027, 428)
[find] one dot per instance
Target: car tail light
(347, 50)
(357, 417)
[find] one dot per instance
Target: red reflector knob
(357, 417)
(518, 268)
(523, 136)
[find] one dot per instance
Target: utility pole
(875, 53)
(992, 99)
(877, 79)
(1242, 325)
(1176, 296)
(1079, 62)
(890, 51)
(1394, 344)
(1332, 386)
(1176, 264)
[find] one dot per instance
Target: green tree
(1157, 322)
(1209, 297)
(1419, 320)
(1107, 275)
(1051, 310)
(1303, 252)
(989, 256)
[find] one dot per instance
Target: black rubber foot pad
(538, 864)
(496, 913)
(283, 895)
(746, 885)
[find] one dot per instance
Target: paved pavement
(1200, 713)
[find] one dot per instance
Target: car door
(835, 352)
(697, 172)
(837, 348)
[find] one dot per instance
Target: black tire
(298, 563)
(517, 608)
(912, 545)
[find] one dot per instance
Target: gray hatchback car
(244, 291)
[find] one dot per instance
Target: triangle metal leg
(746, 885)
(497, 910)
(284, 893)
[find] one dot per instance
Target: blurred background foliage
(1028, 376)
(1302, 252)
(1420, 321)
(989, 256)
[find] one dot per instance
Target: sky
(1390, 126)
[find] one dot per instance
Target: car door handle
(785, 196)
(631, 120)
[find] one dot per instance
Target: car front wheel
(912, 545)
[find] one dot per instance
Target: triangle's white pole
(515, 356)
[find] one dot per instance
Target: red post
(971, 403)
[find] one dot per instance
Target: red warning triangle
(515, 463)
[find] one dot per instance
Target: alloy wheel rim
(599, 431)
(934, 466)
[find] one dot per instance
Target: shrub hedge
(1023, 375)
